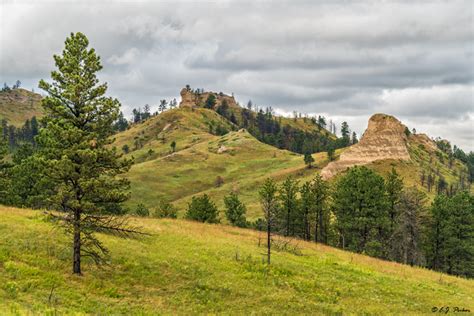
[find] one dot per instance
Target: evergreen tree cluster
(17, 136)
(140, 115)
(7, 88)
(268, 128)
(365, 213)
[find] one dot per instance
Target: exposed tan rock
(384, 138)
(424, 140)
(222, 149)
(190, 98)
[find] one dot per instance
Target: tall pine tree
(75, 143)
(360, 207)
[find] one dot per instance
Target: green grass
(190, 268)
(237, 157)
(18, 105)
(243, 165)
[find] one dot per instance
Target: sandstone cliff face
(193, 99)
(384, 138)
(423, 139)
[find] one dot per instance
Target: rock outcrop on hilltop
(190, 98)
(384, 138)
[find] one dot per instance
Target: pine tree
(146, 112)
(306, 208)
(360, 207)
(269, 202)
(163, 106)
(345, 133)
(394, 188)
(121, 124)
(331, 153)
(320, 194)
(308, 160)
(202, 209)
(287, 196)
(4, 174)
(354, 139)
(75, 143)
(210, 101)
(223, 109)
(407, 235)
(451, 234)
(235, 210)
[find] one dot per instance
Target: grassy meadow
(237, 157)
(189, 268)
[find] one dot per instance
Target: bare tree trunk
(320, 239)
(307, 228)
(77, 244)
(316, 228)
(268, 241)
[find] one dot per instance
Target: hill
(388, 143)
(190, 268)
(18, 105)
(237, 158)
(217, 164)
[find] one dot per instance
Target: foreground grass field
(190, 268)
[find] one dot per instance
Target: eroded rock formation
(384, 138)
(190, 98)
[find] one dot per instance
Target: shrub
(235, 210)
(166, 210)
(219, 181)
(202, 209)
(142, 210)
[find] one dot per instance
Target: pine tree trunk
(307, 228)
(268, 241)
(316, 228)
(320, 226)
(77, 244)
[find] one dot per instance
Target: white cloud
(127, 58)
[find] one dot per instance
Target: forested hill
(301, 134)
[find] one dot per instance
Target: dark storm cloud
(343, 59)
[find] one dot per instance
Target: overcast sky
(342, 59)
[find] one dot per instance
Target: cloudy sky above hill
(343, 59)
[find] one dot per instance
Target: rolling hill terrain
(237, 158)
(187, 268)
(237, 161)
(204, 161)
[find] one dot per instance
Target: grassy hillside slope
(237, 157)
(239, 160)
(189, 268)
(18, 105)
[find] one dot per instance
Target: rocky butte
(191, 98)
(384, 138)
